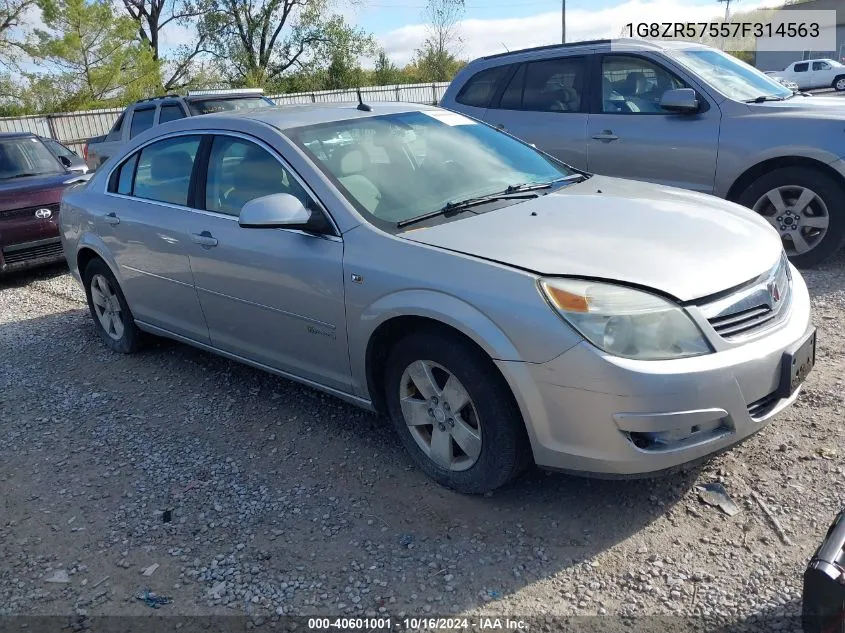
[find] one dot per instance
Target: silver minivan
(678, 114)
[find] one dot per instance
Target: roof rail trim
(569, 45)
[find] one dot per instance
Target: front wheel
(839, 83)
(807, 208)
(455, 413)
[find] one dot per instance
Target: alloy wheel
(440, 415)
(798, 214)
(107, 307)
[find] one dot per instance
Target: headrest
(352, 162)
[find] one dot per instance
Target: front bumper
(30, 254)
(593, 413)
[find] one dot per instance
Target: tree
(258, 41)
(12, 16)
(92, 54)
(152, 17)
(386, 72)
(437, 59)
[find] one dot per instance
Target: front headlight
(625, 322)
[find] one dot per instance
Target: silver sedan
(500, 307)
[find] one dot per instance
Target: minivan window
(554, 85)
(728, 75)
(164, 170)
(478, 91)
(634, 85)
(141, 120)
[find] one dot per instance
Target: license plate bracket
(797, 363)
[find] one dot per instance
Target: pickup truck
(816, 73)
(146, 113)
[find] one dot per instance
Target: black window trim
(586, 93)
(598, 64)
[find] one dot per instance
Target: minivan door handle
(111, 218)
(204, 239)
(606, 135)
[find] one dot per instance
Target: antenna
(361, 105)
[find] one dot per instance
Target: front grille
(28, 212)
(759, 408)
(742, 322)
(753, 308)
(41, 251)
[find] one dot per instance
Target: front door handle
(606, 135)
(204, 239)
(111, 218)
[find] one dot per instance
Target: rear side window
(115, 133)
(554, 85)
(480, 88)
(171, 112)
(141, 120)
(801, 68)
(164, 170)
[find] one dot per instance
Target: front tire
(109, 310)
(806, 206)
(839, 83)
(455, 413)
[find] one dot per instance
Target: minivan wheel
(112, 318)
(455, 413)
(839, 83)
(807, 208)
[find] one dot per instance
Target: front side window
(478, 91)
(802, 68)
(59, 149)
(164, 170)
(554, 85)
(399, 166)
(26, 156)
(729, 75)
(633, 85)
(240, 171)
(141, 120)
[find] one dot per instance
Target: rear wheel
(807, 208)
(108, 307)
(455, 413)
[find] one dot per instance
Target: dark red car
(32, 181)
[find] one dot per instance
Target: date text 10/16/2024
(415, 624)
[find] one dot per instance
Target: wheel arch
(91, 247)
(754, 172)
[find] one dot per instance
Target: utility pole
(563, 21)
(727, 19)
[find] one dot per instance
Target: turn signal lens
(567, 301)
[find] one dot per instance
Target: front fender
(438, 306)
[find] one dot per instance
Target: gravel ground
(253, 495)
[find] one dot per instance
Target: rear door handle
(606, 135)
(111, 218)
(204, 239)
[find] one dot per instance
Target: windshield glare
(207, 106)
(27, 156)
(397, 167)
(730, 76)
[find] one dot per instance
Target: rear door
(546, 102)
(631, 136)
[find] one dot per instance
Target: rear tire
(112, 318)
(454, 413)
(806, 206)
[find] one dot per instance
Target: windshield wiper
(763, 98)
(511, 192)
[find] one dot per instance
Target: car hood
(813, 107)
(20, 193)
(684, 244)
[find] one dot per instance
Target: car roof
(286, 117)
(5, 135)
(620, 43)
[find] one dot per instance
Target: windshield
(730, 76)
(26, 156)
(207, 106)
(400, 166)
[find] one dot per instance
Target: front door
(145, 226)
(545, 103)
(631, 136)
(273, 296)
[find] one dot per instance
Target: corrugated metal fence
(74, 128)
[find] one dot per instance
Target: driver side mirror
(681, 100)
(64, 160)
(280, 211)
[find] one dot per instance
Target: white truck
(816, 73)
